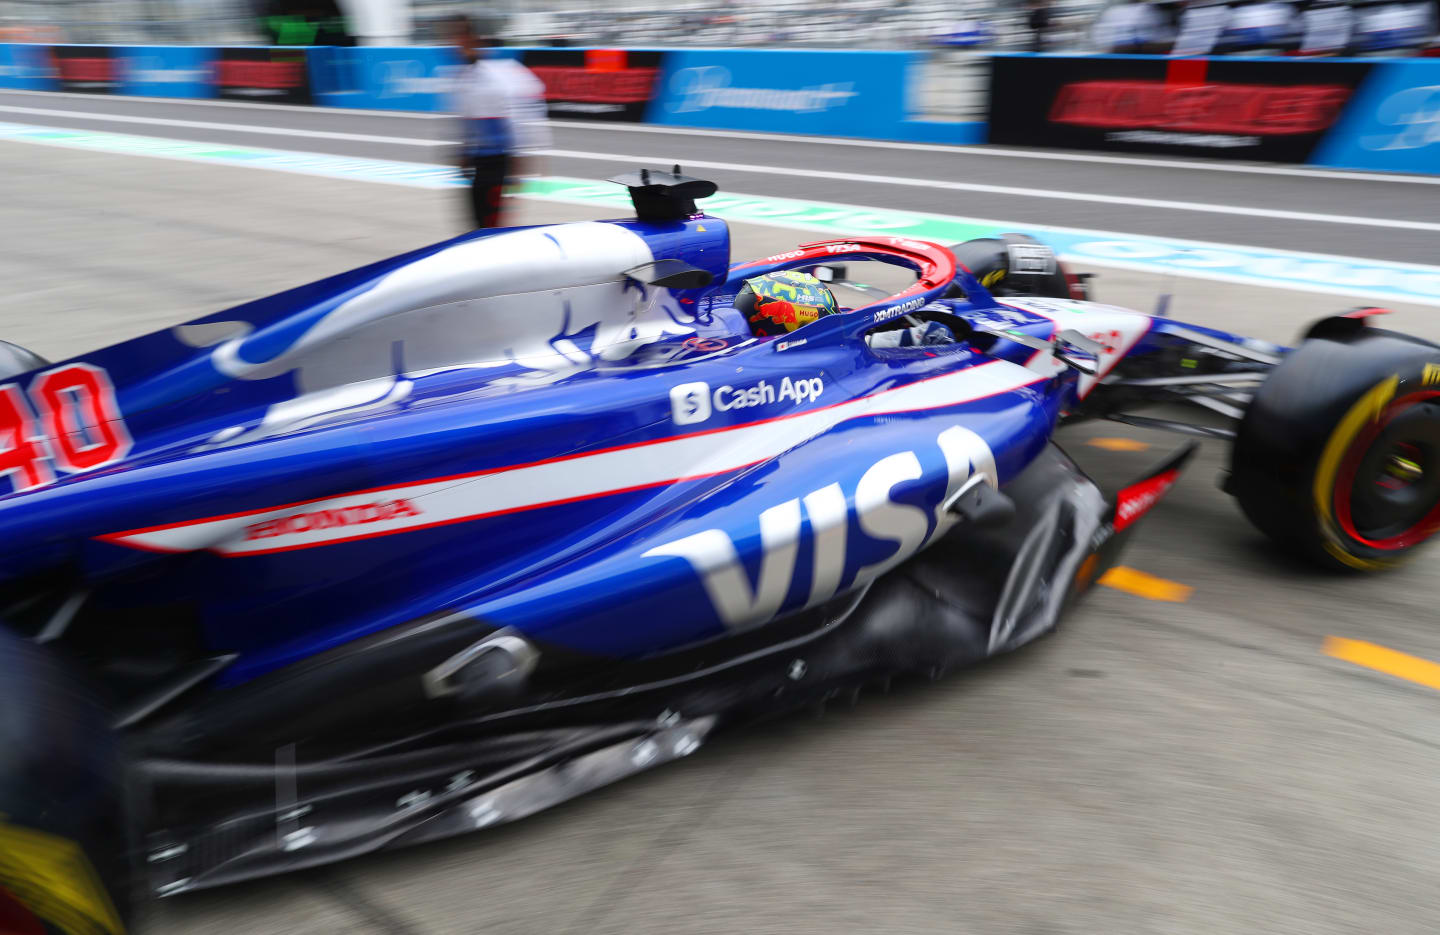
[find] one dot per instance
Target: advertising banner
(336, 75)
(166, 71)
(580, 84)
(26, 67)
(596, 84)
(1392, 123)
(408, 78)
(154, 71)
(253, 73)
(859, 94)
(383, 78)
(90, 69)
(1270, 109)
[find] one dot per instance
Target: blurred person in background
(1038, 19)
(1327, 27)
(1129, 26)
(1261, 27)
(501, 105)
(1395, 27)
(1202, 22)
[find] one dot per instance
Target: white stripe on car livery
(469, 497)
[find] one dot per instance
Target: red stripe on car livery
(567, 479)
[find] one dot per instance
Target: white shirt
(1121, 27)
(502, 88)
(525, 98)
(1200, 28)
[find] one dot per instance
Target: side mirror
(1075, 350)
(828, 273)
(1070, 347)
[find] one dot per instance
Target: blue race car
(437, 543)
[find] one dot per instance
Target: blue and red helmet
(778, 303)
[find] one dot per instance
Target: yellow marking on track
(1118, 444)
(1383, 659)
(1138, 583)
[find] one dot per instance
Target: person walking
(1038, 21)
(501, 105)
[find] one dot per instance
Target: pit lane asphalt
(1169, 768)
(598, 150)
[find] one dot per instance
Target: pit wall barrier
(238, 73)
(1371, 114)
(863, 94)
(1351, 113)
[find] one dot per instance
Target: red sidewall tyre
(63, 832)
(1338, 456)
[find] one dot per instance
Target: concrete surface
(1168, 768)
(600, 150)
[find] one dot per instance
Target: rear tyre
(992, 262)
(1338, 456)
(63, 853)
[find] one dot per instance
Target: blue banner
(166, 71)
(26, 67)
(1391, 124)
(836, 93)
(858, 94)
(382, 78)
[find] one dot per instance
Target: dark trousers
(486, 188)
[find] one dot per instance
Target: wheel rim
(1387, 491)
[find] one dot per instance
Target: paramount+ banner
(1393, 123)
(818, 91)
(1274, 110)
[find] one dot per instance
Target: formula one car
(440, 542)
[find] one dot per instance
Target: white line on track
(231, 127)
(995, 151)
(1320, 287)
(1092, 232)
(1040, 193)
(785, 223)
(236, 105)
(615, 127)
(1024, 192)
(932, 184)
(1139, 266)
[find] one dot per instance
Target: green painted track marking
(1374, 281)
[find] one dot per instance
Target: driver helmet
(778, 303)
